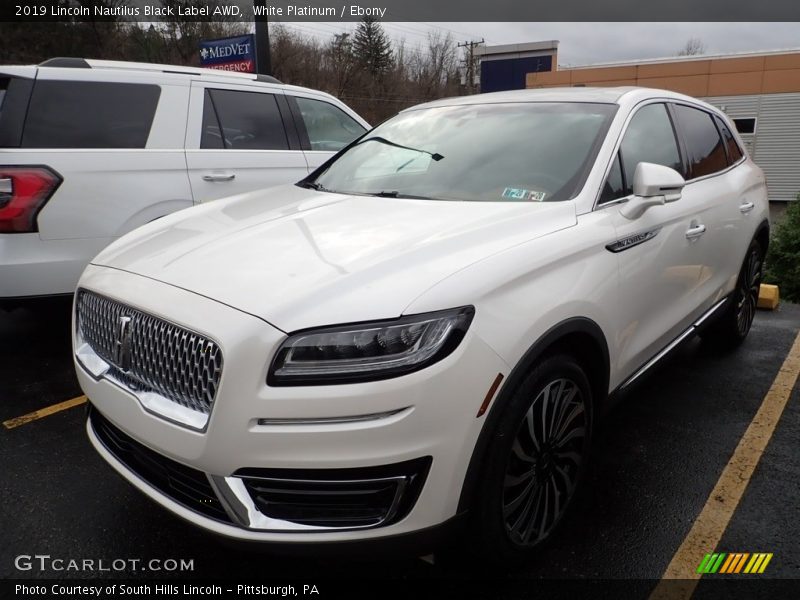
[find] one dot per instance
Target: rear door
(114, 137)
(712, 188)
(240, 138)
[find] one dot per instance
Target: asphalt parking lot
(659, 456)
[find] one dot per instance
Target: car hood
(299, 258)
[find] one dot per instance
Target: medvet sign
(229, 54)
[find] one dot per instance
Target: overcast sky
(588, 43)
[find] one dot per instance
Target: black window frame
(14, 110)
(210, 110)
(718, 121)
(299, 123)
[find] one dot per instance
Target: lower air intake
(338, 498)
(182, 484)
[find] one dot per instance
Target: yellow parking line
(43, 412)
(712, 521)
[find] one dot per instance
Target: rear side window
(703, 143)
(89, 114)
(244, 120)
(734, 152)
(649, 138)
(329, 128)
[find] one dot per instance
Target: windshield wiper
(396, 194)
(434, 155)
(312, 185)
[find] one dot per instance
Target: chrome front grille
(149, 355)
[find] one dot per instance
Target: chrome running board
(673, 344)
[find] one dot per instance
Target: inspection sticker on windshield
(521, 194)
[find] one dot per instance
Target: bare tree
(693, 47)
(341, 62)
(433, 68)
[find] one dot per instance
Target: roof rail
(66, 62)
(82, 63)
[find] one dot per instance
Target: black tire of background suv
(487, 537)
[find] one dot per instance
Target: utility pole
(470, 63)
(263, 59)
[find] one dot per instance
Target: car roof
(602, 95)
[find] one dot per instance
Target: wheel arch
(578, 336)
(762, 235)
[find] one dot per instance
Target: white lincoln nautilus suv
(425, 330)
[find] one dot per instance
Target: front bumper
(428, 416)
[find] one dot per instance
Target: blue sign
(229, 54)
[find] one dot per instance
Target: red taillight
(23, 192)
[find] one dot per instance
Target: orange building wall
(734, 76)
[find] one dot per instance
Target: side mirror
(653, 185)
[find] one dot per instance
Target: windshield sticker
(536, 196)
(521, 194)
(515, 193)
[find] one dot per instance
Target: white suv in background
(90, 150)
(429, 326)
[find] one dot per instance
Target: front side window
(504, 152)
(649, 138)
(329, 128)
(614, 186)
(703, 143)
(237, 120)
(90, 114)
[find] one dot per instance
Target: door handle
(746, 207)
(695, 231)
(218, 177)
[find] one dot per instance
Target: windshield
(510, 152)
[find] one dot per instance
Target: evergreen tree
(783, 259)
(372, 48)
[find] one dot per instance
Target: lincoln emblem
(122, 344)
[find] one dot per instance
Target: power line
(470, 62)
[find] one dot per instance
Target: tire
(734, 324)
(531, 474)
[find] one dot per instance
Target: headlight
(369, 351)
